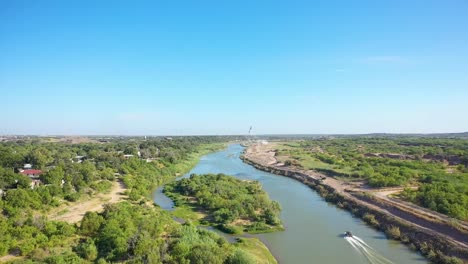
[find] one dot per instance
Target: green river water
(314, 228)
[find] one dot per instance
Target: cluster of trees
(62, 181)
(141, 177)
(66, 178)
(441, 196)
(23, 231)
(138, 234)
(229, 199)
(125, 233)
(25, 234)
(438, 166)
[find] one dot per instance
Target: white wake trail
(360, 240)
(367, 251)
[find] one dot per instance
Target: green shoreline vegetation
(131, 231)
(232, 205)
(437, 167)
(394, 229)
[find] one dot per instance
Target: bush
(240, 257)
(393, 232)
(87, 250)
(405, 239)
(102, 186)
(230, 229)
(257, 227)
(90, 223)
(65, 258)
(72, 197)
(451, 260)
(370, 219)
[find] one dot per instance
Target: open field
(74, 212)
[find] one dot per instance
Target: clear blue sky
(217, 67)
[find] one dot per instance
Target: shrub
(405, 239)
(230, 229)
(240, 257)
(65, 258)
(72, 197)
(90, 223)
(393, 232)
(87, 250)
(370, 219)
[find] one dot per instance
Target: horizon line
(205, 135)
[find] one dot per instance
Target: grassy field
(257, 249)
(189, 213)
(292, 150)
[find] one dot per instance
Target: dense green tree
(53, 176)
(90, 223)
(87, 250)
(40, 157)
(228, 199)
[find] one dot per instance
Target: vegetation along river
(314, 228)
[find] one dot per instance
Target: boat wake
(371, 255)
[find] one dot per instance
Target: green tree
(87, 250)
(40, 157)
(53, 176)
(90, 223)
(203, 253)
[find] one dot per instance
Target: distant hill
(462, 135)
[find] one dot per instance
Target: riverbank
(434, 240)
(185, 212)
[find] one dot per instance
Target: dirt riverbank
(421, 228)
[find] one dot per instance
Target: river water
(314, 228)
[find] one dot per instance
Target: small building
(33, 174)
(27, 166)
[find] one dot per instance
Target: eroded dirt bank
(429, 235)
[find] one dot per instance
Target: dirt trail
(423, 218)
(8, 258)
(74, 213)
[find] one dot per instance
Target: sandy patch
(74, 213)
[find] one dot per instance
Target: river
(314, 228)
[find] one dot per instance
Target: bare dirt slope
(74, 213)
